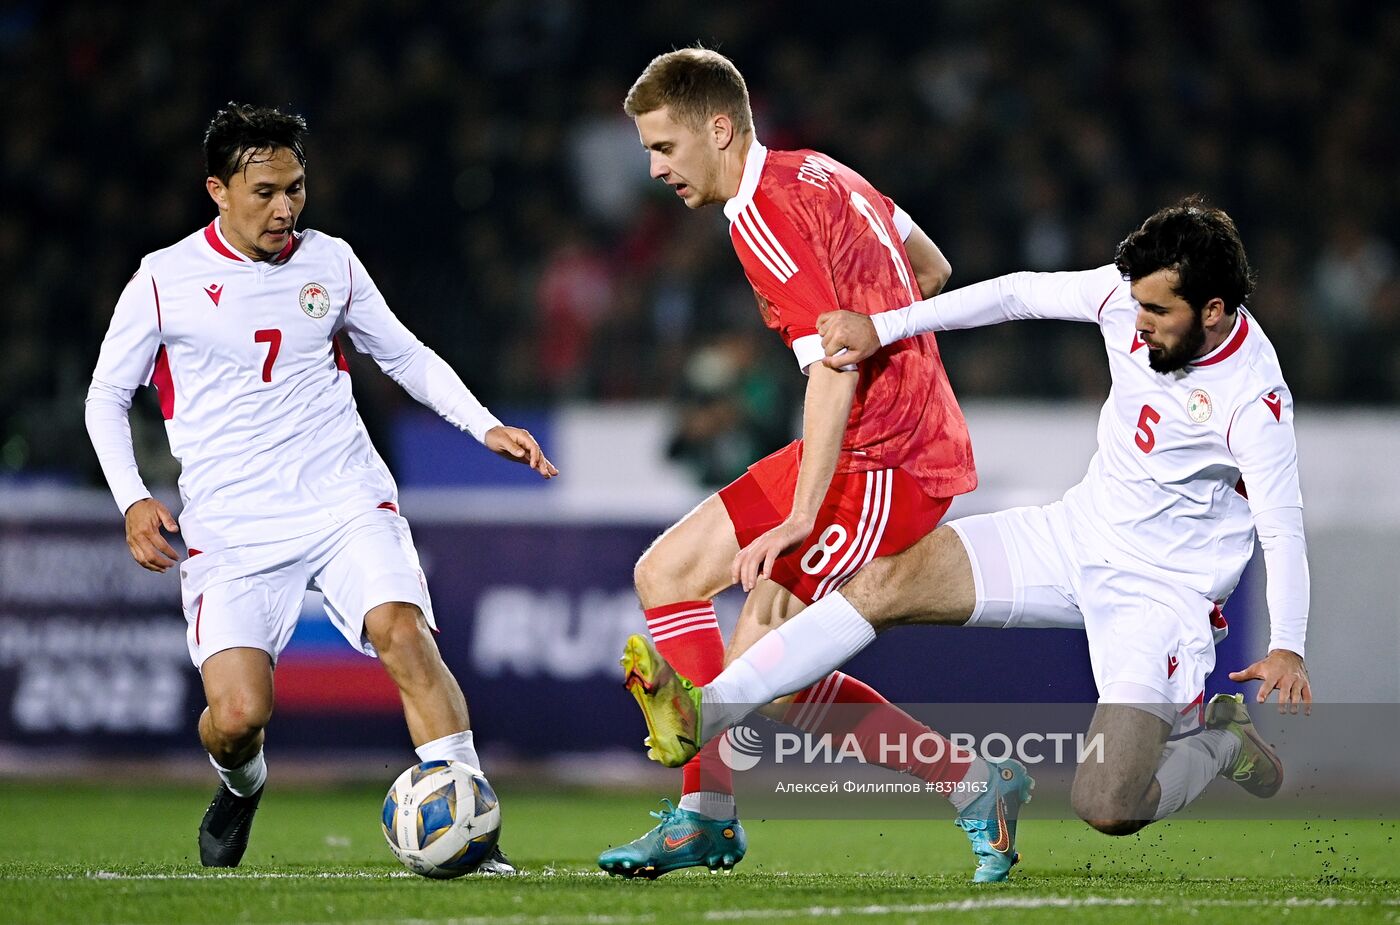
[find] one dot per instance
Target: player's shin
(1189, 765)
(687, 635)
(843, 707)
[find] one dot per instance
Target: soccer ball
(441, 819)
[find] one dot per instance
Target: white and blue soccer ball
(441, 819)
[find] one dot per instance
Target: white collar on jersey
(753, 169)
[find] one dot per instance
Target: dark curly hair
(1199, 242)
(240, 130)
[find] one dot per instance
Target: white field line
(871, 910)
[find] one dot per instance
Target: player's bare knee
(238, 719)
(1103, 803)
(659, 578)
(647, 576)
(1116, 827)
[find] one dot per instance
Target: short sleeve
(783, 253)
(903, 224)
(128, 352)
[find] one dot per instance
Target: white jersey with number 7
(253, 386)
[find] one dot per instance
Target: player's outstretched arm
(149, 547)
(1069, 296)
(519, 445)
(1282, 671)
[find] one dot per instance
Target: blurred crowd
(476, 156)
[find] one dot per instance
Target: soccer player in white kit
(236, 326)
(1196, 458)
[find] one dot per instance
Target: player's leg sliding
(798, 656)
(461, 747)
(227, 823)
(704, 830)
(1256, 766)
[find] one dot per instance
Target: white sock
(978, 771)
(710, 804)
(797, 654)
(455, 747)
(246, 779)
(1190, 764)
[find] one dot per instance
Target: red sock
(687, 635)
(878, 723)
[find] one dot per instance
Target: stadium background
(477, 158)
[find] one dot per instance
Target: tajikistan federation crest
(1198, 406)
(315, 300)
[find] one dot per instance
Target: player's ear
(722, 131)
(217, 192)
(1213, 313)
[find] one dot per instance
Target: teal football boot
(682, 839)
(990, 822)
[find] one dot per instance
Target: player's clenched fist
(849, 332)
(148, 546)
(518, 445)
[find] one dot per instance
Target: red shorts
(864, 515)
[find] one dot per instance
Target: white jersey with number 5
(1185, 460)
(252, 384)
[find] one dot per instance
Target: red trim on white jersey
(293, 241)
(216, 241)
(1230, 347)
(164, 383)
(341, 363)
(156, 293)
(1105, 302)
(215, 238)
(199, 612)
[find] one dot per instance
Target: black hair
(240, 130)
(1199, 242)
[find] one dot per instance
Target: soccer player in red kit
(884, 447)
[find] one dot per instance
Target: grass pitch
(123, 854)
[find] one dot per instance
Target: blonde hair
(695, 84)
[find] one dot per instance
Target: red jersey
(815, 237)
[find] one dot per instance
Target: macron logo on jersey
(213, 291)
(1275, 404)
(764, 244)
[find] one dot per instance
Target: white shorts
(1150, 640)
(251, 596)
